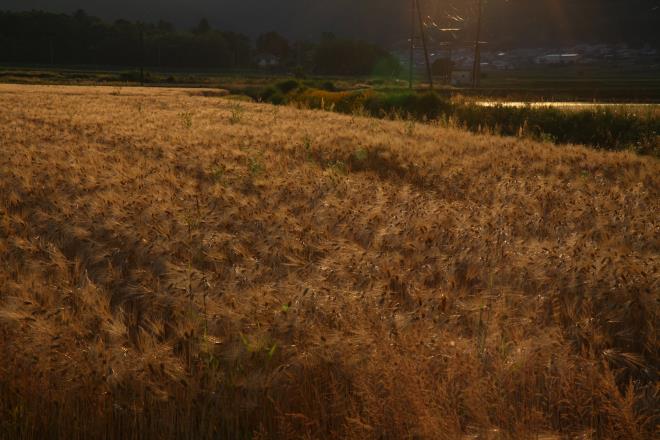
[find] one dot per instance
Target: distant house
(461, 78)
(558, 58)
(266, 61)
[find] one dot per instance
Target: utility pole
(426, 51)
(476, 69)
(412, 43)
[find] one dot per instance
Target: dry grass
(173, 265)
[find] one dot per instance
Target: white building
(266, 60)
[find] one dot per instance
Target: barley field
(179, 265)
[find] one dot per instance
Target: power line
(476, 69)
(426, 51)
(416, 14)
(412, 43)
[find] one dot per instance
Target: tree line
(38, 37)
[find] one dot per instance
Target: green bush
(328, 86)
(278, 99)
(431, 106)
(602, 128)
(272, 95)
(287, 85)
(266, 93)
(421, 106)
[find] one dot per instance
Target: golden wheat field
(179, 265)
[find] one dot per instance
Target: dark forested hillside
(46, 38)
(517, 22)
(81, 38)
(37, 37)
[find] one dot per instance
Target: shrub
(266, 93)
(288, 85)
(328, 86)
(278, 99)
(272, 95)
(424, 106)
(602, 128)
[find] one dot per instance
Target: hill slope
(516, 22)
(174, 264)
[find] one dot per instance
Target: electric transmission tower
(416, 15)
(476, 68)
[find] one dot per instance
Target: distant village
(462, 59)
